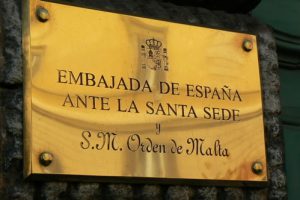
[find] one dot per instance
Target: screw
(46, 158)
(257, 168)
(42, 14)
(247, 45)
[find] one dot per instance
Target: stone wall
(12, 184)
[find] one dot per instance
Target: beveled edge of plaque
(146, 180)
(262, 108)
(147, 17)
(26, 87)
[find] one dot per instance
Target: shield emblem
(154, 56)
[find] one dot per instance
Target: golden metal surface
(121, 96)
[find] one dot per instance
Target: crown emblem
(153, 44)
(153, 55)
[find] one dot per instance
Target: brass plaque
(112, 95)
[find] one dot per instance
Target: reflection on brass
(46, 158)
(247, 45)
(42, 14)
(112, 95)
(257, 168)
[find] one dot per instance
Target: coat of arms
(154, 55)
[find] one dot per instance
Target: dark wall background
(12, 185)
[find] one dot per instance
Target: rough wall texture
(12, 185)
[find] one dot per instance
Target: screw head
(42, 14)
(247, 45)
(46, 158)
(257, 168)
